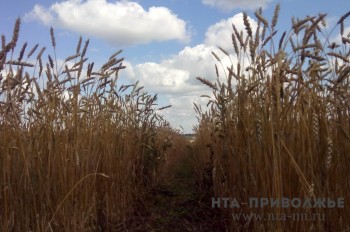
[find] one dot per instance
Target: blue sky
(166, 43)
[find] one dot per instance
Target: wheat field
(81, 152)
(77, 149)
(278, 123)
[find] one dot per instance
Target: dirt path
(179, 205)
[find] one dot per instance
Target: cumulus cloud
(233, 4)
(122, 22)
(163, 79)
(182, 115)
(175, 78)
(219, 34)
(176, 75)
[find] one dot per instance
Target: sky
(166, 43)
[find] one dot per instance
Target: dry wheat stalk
(21, 53)
(275, 17)
(77, 50)
(40, 53)
(329, 152)
(53, 40)
(235, 45)
(238, 36)
(261, 18)
(247, 25)
(315, 127)
(206, 82)
(341, 22)
(85, 48)
(31, 52)
(258, 128)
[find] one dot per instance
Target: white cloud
(175, 81)
(220, 33)
(162, 79)
(175, 78)
(182, 113)
(177, 75)
(121, 23)
(41, 14)
(197, 61)
(232, 4)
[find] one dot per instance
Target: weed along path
(177, 203)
